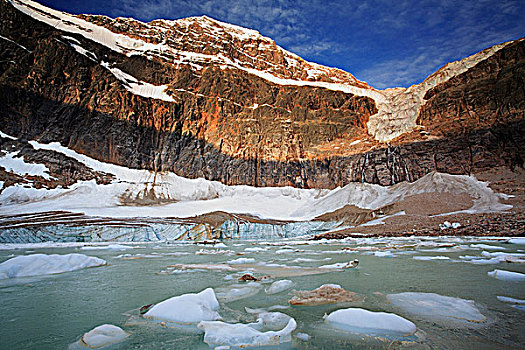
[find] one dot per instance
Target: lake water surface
(54, 311)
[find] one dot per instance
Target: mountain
(203, 98)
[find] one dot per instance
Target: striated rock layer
(207, 99)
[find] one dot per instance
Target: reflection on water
(52, 312)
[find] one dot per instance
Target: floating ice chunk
(43, 264)
(201, 267)
(302, 336)
(511, 300)
(238, 291)
(255, 249)
(254, 311)
(278, 307)
(486, 246)
(214, 252)
(507, 275)
(484, 261)
(431, 258)
(187, 308)
(440, 308)
(334, 266)
(299, 260)
(518, 258)
(520, 240)
(279, 286)
(101, 336)
(241, 261)
(385, 254)
(220, 245)
(284, 251)
(362, 321)
(218, 333)
(270, 321)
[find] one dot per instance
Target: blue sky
(385, 43)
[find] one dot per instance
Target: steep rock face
(206, 99)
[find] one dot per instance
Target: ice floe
(241, 261)
(214, 252)
(519, 240)
(302, 336)
(342, 265)
(255, 249)
(486, 246)
(270, 321)
(101, 336)
(279, 286)
(43, 264)
(431, 258)
(238, 291)
(438, 308)
(187, 308)
(201, 267)
(217, 333)
(511, 300)
(506, 257)
(362, 321)
(506, 275)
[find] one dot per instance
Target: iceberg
(438, 308)
(217, 333)
(362, 321)
(279, 286)
(270, 321)
(101, 336)
(43, 264)
(506, 275)
(187, 308)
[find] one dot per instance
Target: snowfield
(184, 197)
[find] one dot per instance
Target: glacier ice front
(43, 264)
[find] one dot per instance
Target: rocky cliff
(204, 98)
